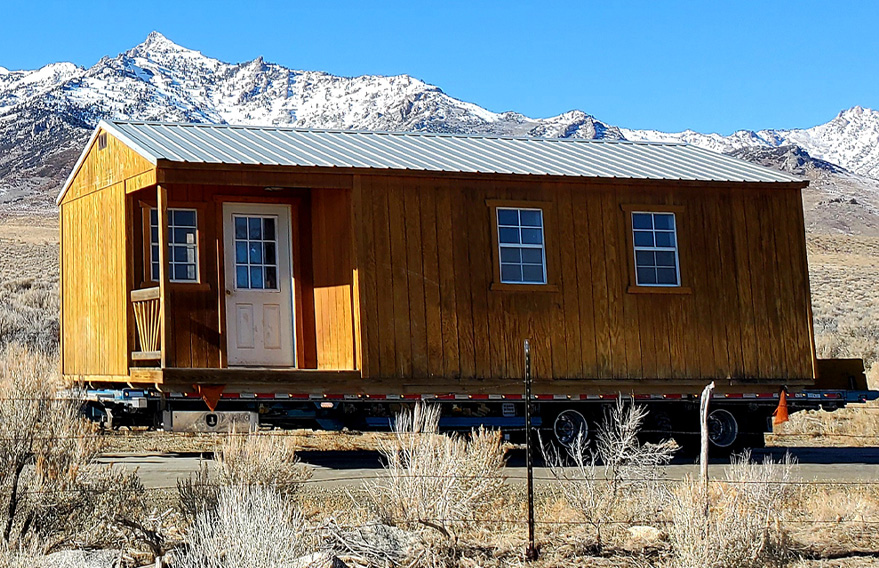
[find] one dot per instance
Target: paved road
(348, 469)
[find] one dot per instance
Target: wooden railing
(148, 317)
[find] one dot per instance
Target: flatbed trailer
(737, 418)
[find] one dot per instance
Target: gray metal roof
(285, 146)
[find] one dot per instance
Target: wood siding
(94, 284)
(104, 167)
(322, 270)
(333, 277)
(426, 269)
(394, 275)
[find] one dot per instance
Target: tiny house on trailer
(318, 274)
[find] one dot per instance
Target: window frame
(199, 211)
(262, 241)
(545, 208)
(634, 287)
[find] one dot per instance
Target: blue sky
(709, 65)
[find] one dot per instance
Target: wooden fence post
(703, 454)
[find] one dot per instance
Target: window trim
(635, 288)
(545, 208)
(147, 241)
(277, 288)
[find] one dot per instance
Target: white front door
(259, 285)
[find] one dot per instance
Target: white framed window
(521, 245)
(182, 245)
(256, 262)
(654, 236)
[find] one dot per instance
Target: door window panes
(256, 262)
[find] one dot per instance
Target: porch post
(164, 277)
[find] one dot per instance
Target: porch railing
(148, 317)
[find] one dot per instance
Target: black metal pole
(531, 551)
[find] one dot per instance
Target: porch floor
(256, 379)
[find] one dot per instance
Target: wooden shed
(384, 262)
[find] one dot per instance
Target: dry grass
(434, 480)
(844, 275)
(140, 440)
(616, 483)
(29, 282)
(738, 523)
(53, 495)
(252, 526)
(252, 460)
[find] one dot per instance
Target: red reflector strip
(766, 395)
(673, 396)
(544, 397)
(445, 397)
(609, 396)
(265, 395)
(411, 396)
(513, 396)
(299, 396)
(479, 396)
(376, 396)
(642, 396)
(832, 395)
(230, 395)
(334, 396)
(734, 395)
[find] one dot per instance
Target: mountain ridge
(47, 114)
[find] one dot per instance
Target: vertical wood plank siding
(95, 299)
(333, 278)
(323, 271)
(430, 310)
(95, 273)
(395, 275)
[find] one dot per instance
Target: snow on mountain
(850, 140)
(46, 115)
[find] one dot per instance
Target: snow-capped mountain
(850, 140)
(46, 115)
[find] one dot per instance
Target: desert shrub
(433, 480)
(244, 460)
(53, 494)
(744, 524)
(29, 311)
(616, 482)
(253, 526)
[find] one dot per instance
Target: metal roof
(286, 146)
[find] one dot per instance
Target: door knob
(228, 292)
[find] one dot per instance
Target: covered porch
(246, 284)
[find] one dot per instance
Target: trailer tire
(723, 429)
(568, 427)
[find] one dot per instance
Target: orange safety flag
(210, 394)
(780, 413)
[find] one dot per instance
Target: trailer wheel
(723, 428)
(569, 427)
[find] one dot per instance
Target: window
(656, 249)
(520, 245)
(182, 245)
(256, 262)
